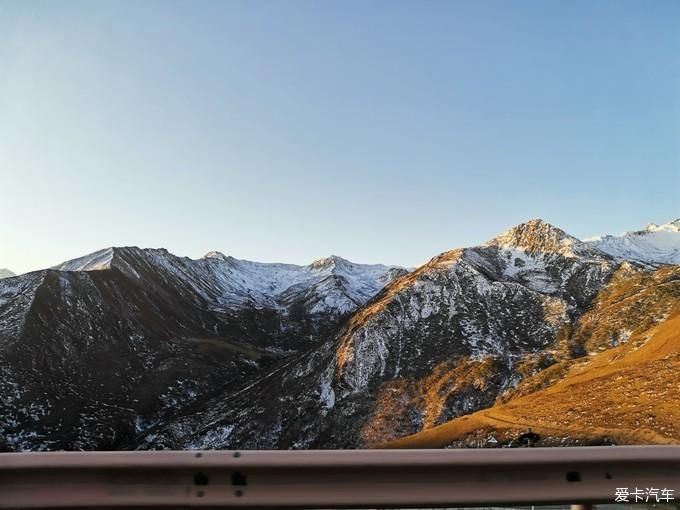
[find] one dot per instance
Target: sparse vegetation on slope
(626, 395)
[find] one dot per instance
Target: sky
(378, 130)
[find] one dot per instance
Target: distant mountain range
(6, 273)
(132, 348)
(332, 285)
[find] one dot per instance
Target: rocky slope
(442, 341)
(97, 350)
(624, 392)
(130, 348)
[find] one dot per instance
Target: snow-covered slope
(329, 284)
(657, 244)
(6, 273)
(126, 336)
(92, 262)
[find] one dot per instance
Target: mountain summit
(144, 349)
(671, 226)
(330, 285)
(538, 236)
(330, 262)
(216, 255)
(438, 342)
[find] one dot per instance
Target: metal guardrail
(333, 478)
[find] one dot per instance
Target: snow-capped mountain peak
(656, 244)
(671, 226)
(332, 284)
(539, 236)
(329, 262)
(215, 255)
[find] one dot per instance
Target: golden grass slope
(627, 394)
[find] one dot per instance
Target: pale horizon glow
(382, 132)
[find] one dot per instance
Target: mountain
(538, 237)
(657, 244)
(95, 350)
(332, 284)
(136, 349)
(440, 342)
(6, 273)
(624, 392)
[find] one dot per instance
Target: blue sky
(382, 131)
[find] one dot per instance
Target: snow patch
(326, 396)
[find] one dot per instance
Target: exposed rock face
(624, 392)
(130, 348)
(98, 350)
(538, 237)
(439, 342)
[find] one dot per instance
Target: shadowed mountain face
(130, 348)
(93, 353)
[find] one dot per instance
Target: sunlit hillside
(626, 394)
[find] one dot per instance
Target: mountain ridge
(531, 231)
(218, 352)
(654, 245)
(473, 313)
(241, 281)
